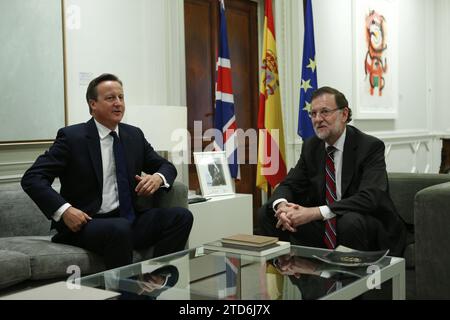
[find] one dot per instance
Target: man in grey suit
(338, 193)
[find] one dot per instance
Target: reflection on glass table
(209, 275)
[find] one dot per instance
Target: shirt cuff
(325, 274)
(165, 281)
(326, 212)
(58, 213)
(165, 184)
(274, 205)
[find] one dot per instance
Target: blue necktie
(123, 184)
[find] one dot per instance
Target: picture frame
(213, 173)
(24, 62)
(375, 56)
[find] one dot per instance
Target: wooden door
(201, 37)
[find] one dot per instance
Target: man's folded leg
(108, 237)
(165, 228)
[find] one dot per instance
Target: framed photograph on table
(375, 56)
(213, 173)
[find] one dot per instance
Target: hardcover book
(249, 240)
(249, 250)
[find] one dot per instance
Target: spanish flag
(271, 152)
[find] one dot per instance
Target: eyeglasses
(324, 113)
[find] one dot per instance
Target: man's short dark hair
(91, 92)
(339, 97)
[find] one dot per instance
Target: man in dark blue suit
(92, 211)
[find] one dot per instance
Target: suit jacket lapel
(93, 141)
(348, 161)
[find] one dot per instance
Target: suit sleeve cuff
(165, 184)
(326, 212)
(58, 213)
(276, 202)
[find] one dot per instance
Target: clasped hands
(291, 215)
(295, 266)
(153, 282)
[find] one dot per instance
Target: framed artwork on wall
(32, 85)
(213, 173)
(375, 56)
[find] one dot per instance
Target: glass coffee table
(290, 274)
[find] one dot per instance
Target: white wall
(141, 41)
(441, 109)
(413, 132)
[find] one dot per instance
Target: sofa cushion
(404, 186)
(47, 259)
(50, 260)
(19, 216)
(432, 221)
(15, 268)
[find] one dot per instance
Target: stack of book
(245, 244)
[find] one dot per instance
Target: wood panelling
(201, 37)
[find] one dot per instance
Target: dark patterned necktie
(330, 193)
(123, 184)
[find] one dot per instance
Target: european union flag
(309, 75)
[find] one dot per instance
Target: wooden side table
(445, 156)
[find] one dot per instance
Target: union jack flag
(224, 117)
(232, 266)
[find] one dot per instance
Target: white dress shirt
(325, 211)
(110, 193)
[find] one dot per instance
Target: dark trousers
(114, 237)
(354, 230)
